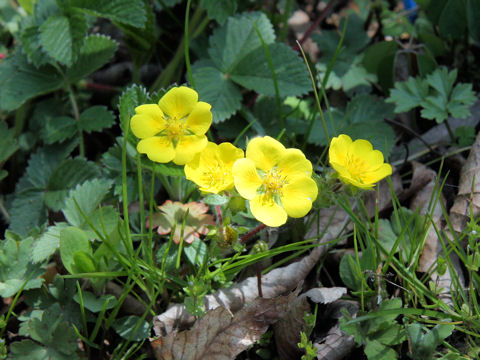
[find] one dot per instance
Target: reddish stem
(251, 233)
(219, 214)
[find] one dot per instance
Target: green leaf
(473, 13)
(442, 80)
(84, 262)
(96, 118)
(96, 51)
(231, 43)
(16, 268)
(58, 129)
(103, 220)
(127, 328)
(46, 245)
(9, 144)
(461, 99)
(94, 304)
(380, 134)
(88, 196)
(379, 59)
(61, 38)
(27, 350)
(219, 10)
(377, 351)
(196, 252)
(408, 94)
(32, 47)
(72, 241)
(368, 108)
(130, 12)
(215, 88)
(434, 108)
(254, 73)
(215, 199)
(453, 19)
(65, 177)
(27, 211)
(131, 98)
(22, 81)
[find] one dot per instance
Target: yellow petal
(297, 197)
(200, 118)
(246, 178)
(157, 148)
(228, 153)
(294, 164)
(178, 102)
(338, 149)
(268, 211)
(187, 147)
(148, 121)
(378, 174)
(373, 160)
(361, 148)
(265, 152)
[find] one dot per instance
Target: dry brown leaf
(336, 344)
(219, 335)
(287, 329)
(469, 189)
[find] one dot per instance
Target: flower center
(175, 128)
(215, 176)
(273, 182)
(356, 167)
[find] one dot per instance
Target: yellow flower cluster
(277, 181)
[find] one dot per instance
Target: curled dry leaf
(468, 191)
(172, 215)
(287, 330)
(335, 344)
(219, 335)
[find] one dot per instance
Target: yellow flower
(175, 128)
(212, 168)
(356, 162)
(277, 181)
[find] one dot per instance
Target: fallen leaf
(219, 335)
(287, 330)
(172, 215)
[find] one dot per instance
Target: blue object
(408, 5)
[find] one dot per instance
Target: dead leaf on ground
(287, 330)
(468, 191)
(219, 335)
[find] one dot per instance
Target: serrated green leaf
(96, 118)
(131, 98)
(230, 43)
(366, 108)
(72, 241)
(218, 90)
(442, 80)
(380, 134)
(88, 196)
(16, 268)
(56, 39)
(408, 94)
(96, 51)
(127, 328)
(130, 12)
(22, 81)
(9, 144)
(27, 211)
(219, 10)
(434, 108)
(66, 176)
(31, 46)
(254, 73)
(103, 220)
(58, 129)
(47, 243)
(215, 199)
(461, 99)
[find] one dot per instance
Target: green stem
(187, 45)
(286, 15)
(76, 115)
(128, 240)
(450, 131)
